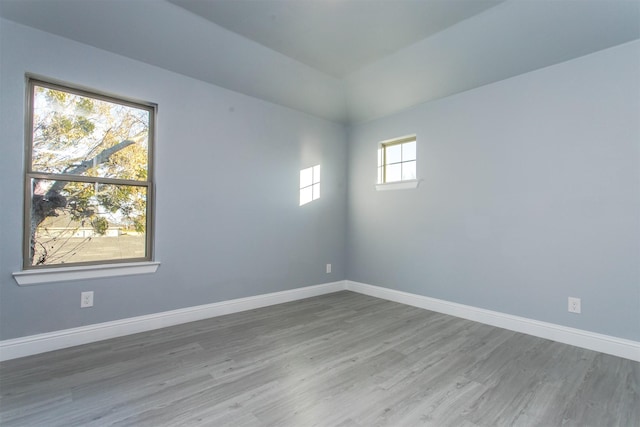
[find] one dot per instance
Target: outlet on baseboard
(328, 268)
(574, 305)
(86, 299)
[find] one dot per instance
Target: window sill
(400, 185)
(49, 275)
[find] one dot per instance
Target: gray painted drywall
(530, 194)
(513, 37)
(507, 40)
(187, 44)
(228, 224)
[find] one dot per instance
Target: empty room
(320, 213)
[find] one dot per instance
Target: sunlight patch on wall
(309, 184)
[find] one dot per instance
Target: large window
(397, 160)
(88, 183)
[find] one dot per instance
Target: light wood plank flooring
(342, 359)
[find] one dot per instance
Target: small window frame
(383, 182)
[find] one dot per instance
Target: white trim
(577, 337)
(400, 185)
(49, 275)
(35, 344)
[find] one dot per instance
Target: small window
(397, 160)
(309, 184)
(88, 185)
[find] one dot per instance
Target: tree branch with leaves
(68, 130)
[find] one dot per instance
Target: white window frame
(383, 164)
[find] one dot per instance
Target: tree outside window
(88, 182)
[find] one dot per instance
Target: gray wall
(228, 224)
(505, 41)
(530, 194)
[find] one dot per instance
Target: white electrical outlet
(86, 299)
(574, 305)
(328, 268)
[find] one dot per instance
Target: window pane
(316, 174)
(408, 151)
(306, 177)
(394, 173)
(83, 222)
(306, 195)
(409, 170)
(80, 135)
(394, 154)
(316, 191)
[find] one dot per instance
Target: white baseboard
(41, 343)
(577, 337)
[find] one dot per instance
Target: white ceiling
(336, 37)
(344, 60)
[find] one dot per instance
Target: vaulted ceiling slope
(344, 60)
(336, 37)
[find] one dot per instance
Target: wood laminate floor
(342, 359)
